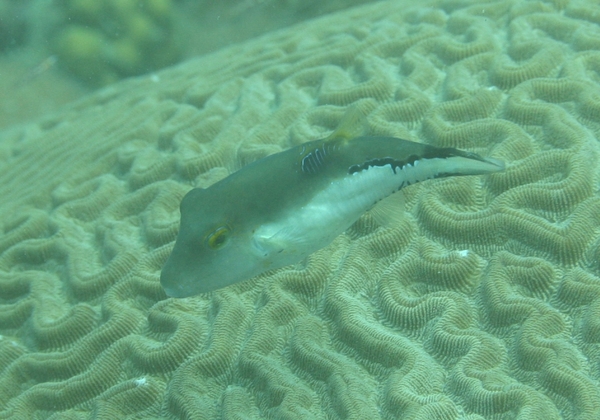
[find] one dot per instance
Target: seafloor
(483, 302)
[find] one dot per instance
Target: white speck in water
(464, 253)
(140, 382)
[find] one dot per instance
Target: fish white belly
(331, 211)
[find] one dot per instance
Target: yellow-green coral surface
(482, 303)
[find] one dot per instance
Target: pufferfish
(279, 209)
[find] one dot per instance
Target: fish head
(210, 251)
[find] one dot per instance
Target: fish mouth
(170, 285)
(176, 291)
(173, 293)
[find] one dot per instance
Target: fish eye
(218, 238)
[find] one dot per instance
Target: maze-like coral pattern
(483, 302)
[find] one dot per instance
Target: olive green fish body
(279, 209)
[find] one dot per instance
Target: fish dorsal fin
(352, 125)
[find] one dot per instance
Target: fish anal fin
(390, 212)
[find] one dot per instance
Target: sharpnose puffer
(279, 209)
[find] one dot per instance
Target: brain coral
(482, 303)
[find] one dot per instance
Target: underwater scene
(462, 297)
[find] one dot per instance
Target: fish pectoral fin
(270, 241)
